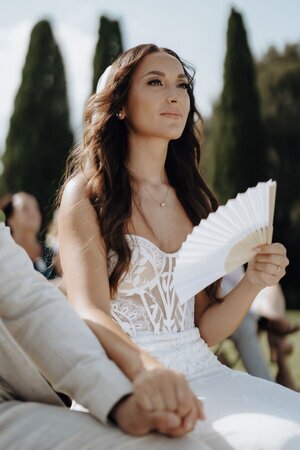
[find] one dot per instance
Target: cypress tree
(108, 48)
(208, 163)
(39, 136)
(279, 87)
(240, 152)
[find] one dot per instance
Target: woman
(133, 195)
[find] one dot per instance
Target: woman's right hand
(163, 390)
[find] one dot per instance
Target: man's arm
(49, 331)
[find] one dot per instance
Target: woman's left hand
(267, 267)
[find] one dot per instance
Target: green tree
(211, 125)
(240, 158)
(39, 136)
(108, 47)
(279, 86)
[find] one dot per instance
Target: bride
(132, 195)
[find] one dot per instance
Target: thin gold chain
(162, 204)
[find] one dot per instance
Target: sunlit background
(196, 29)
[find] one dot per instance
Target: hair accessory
(103, 80)
(100, 86)
(225, 240)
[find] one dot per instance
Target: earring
(119, 115)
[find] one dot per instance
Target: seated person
(269, 310)
(24, 218)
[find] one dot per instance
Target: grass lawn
(293, 360)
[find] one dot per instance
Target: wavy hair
(103, 152)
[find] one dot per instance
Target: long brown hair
(103, 153)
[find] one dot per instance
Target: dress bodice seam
(167, 254)
(146, 300)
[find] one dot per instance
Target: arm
(218, 321)
(84, 263)
(49, 332)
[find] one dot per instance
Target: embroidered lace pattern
(146, 299)
(148, 309)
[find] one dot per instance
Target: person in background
(270, 308)
(268, 313)
(52, 243)
(24, 218)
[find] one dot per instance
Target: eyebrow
(162, 74)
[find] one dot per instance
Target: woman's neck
(146, 161)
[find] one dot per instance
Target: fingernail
(173, 421)
(189, 424)
(202, 415)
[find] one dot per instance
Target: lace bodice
(146, 300)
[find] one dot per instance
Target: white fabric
(230, 280)
(270, 301)
(103, 80)
(243, 412)
(37, 426)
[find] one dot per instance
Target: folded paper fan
(225, 240)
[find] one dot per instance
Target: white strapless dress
(242, 412)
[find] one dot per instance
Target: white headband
(103, 80)
(100, 86)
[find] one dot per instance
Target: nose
(172, 97)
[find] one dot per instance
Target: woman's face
(158, 103)
(26, 215)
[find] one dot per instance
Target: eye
(155, 82)
(184, 85)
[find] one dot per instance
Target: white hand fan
(225, 240)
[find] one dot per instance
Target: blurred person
(245, 337)
(133, 196)
(24, 218)
(269, 305)
(52, 243)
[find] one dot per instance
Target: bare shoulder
(75, 190)
(75, 204)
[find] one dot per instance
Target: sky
(195, 29)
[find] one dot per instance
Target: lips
(171, 114)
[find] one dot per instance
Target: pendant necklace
(163, 202)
